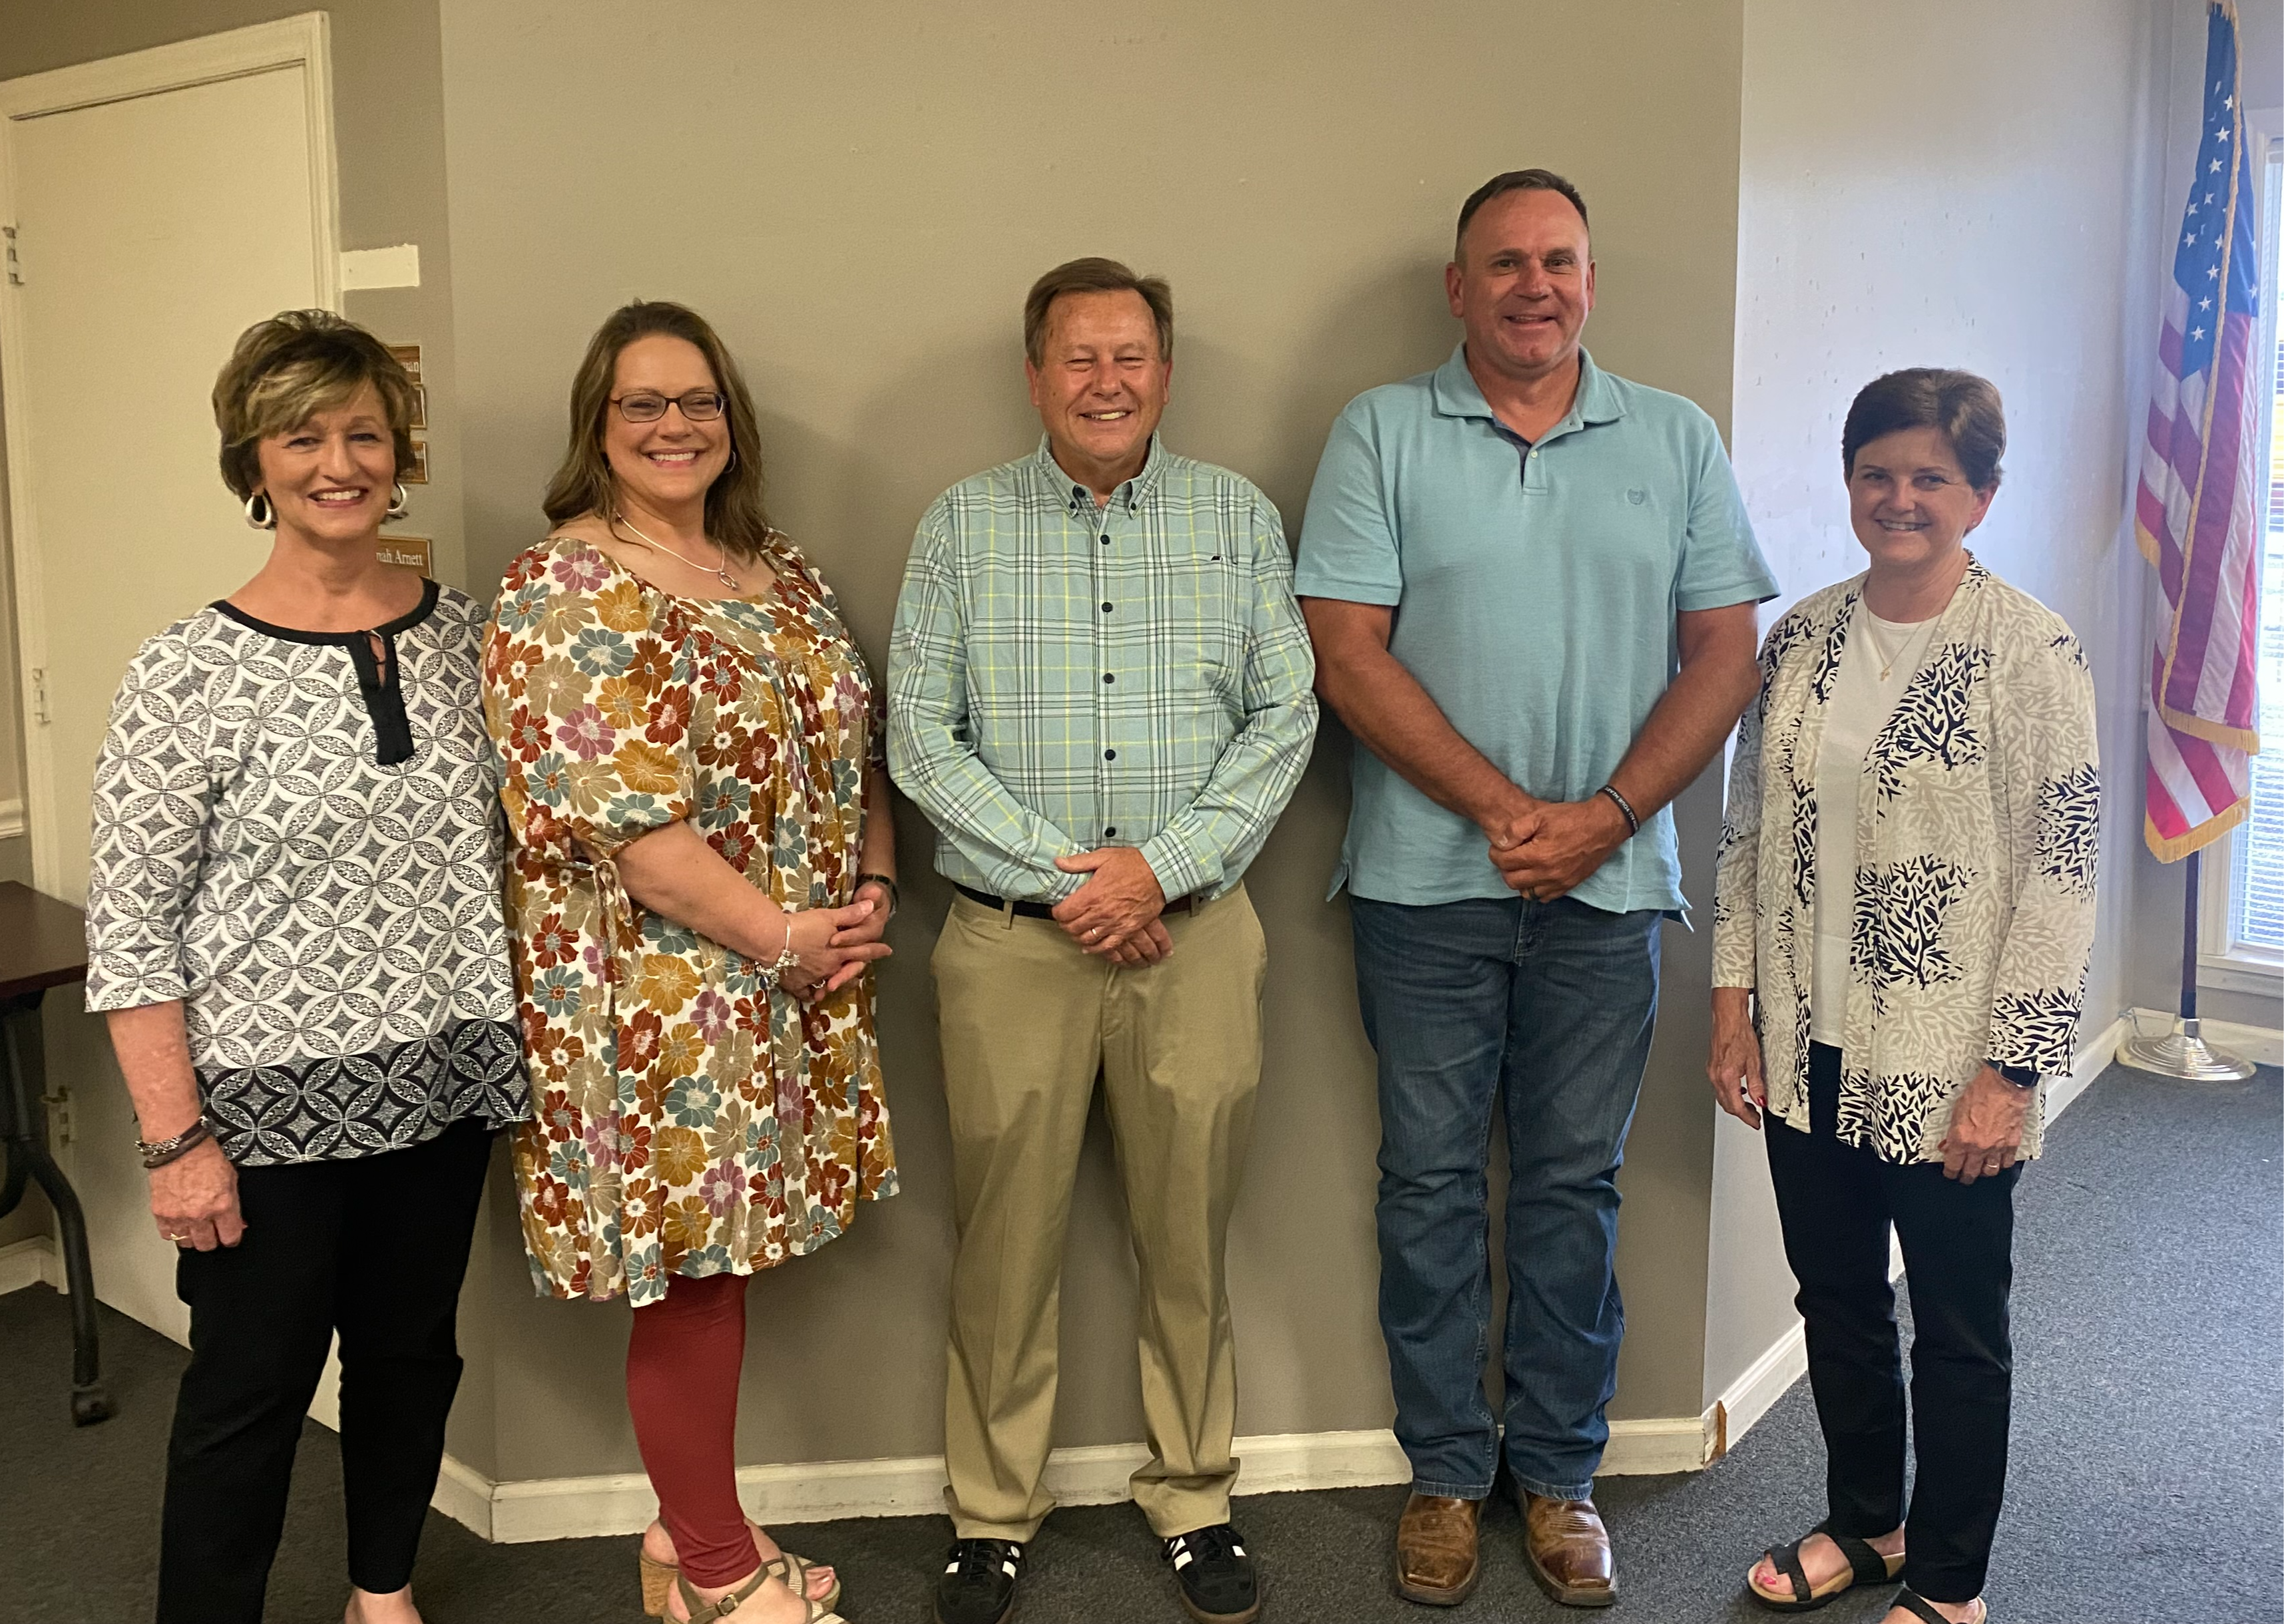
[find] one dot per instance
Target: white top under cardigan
(1976, 827)
(1863, 697)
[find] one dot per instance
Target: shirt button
(1105, 608)
(1110, 755)
(1108, 677)
(1110, 831)
(1534, 457)
(1106, 540)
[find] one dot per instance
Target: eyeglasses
(698, 405)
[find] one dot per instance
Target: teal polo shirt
(1535, 587)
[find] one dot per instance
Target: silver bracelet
(773, 972)
(158, 1153)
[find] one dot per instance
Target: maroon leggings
(682, 1390)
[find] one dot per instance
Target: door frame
(304, 41)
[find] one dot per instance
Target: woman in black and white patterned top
(1904, 909)
(294, 923)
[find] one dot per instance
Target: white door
(161, 203)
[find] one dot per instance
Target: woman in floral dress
(703, 865)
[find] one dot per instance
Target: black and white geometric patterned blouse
(304, 846)
(1977, 824)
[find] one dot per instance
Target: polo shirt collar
(1075, 498)
(1458, 395)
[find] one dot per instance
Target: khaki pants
(1027, 1020)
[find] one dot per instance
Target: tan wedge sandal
(658, 1578)
(703, 1611)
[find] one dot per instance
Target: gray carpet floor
(2147, 1464)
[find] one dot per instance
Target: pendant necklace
(1887, 659)
(720, 572)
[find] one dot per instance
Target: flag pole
(2183, 1052)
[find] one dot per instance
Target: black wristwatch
(2020, 1076)
(882, 879)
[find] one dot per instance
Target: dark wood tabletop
(43, 942)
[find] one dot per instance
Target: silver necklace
(720, 572)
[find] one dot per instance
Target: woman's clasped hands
(832, 946)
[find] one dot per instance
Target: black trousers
(374, 1247)
(1836, 1202)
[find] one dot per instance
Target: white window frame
(2223, 962)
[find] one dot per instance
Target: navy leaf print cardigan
(1975, 837)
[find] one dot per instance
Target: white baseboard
(579, 1508)
(1657, 1444)
(30, 1262)
(1755, 1392)
(464, 1495)
(518, 1513)
(2093, 1058)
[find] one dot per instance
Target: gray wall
(1997, 222)
(858, 196)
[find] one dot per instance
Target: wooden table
(44, 944)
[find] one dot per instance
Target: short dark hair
(1966, 409)
(1095, 276)
(1513, 180)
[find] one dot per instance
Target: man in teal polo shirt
(1531, 588)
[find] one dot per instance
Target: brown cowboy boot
(1436, 1554)
(1569, 1550)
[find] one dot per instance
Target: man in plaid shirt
(1100, 693)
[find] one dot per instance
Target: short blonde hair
(286, 369)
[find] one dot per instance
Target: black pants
(1836, 1202)
(373, 1247)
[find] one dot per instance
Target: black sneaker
(978, 1585)
(1218, 1583)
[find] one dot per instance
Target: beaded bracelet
(773, 973)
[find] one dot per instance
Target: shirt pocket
(1199, 627)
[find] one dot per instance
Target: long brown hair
(735, 519)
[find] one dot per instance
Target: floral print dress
(687, 1118)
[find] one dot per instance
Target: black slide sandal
(1918, 1607)
(1865, 1565)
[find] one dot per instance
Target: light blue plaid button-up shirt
(1063, 676)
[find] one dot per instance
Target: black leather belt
(1046, 911)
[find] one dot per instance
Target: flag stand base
(2183, 1053)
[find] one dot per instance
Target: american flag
(2195, 515)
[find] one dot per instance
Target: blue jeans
(1545, 1007)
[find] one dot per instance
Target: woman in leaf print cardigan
(703, 860)
(1904, 908)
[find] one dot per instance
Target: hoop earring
(397, 499)
(731, 467)
(267, 519)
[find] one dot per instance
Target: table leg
(21, 1132)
